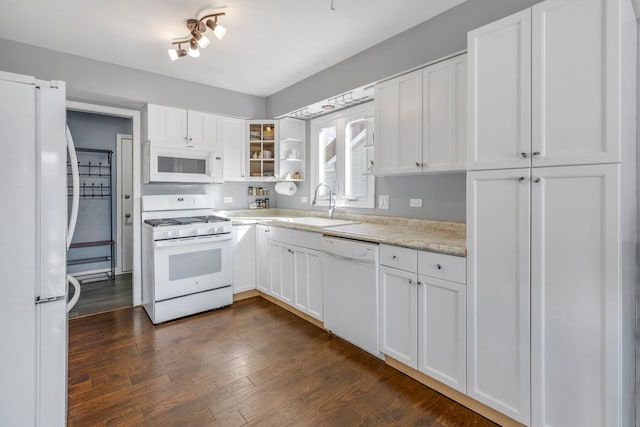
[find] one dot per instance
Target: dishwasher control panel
(350, 249)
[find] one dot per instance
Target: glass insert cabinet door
(262, 149)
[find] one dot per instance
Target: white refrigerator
(33, 244)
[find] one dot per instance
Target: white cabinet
(166, 126)
(282, 271)
(263, 259)
(398, 124)
(308, 282)
(420, 120)
(292, 137)
(262, 151)
(244, 257)
(232, 139)
(444, 116)
(423, 316)
(533, 103)
(178, 128)
(576, 314)
(499, 94)
(498, 295)
(399, 315)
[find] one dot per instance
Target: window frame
(340, 119)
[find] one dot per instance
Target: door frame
(119, 241)
(134, 115)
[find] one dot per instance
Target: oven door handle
(192, 240)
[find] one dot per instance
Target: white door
(308, 282)
(459, 124)
(398, 125)
(125, 197)
(498, 301)
(167, 126)
(442, 331)
(288, 274)
(399, 315)
(576, 313)
(576, 82)
(232, 138)
(202, 130)
(244, 257)
(276, 258)
(436, 116)
(499, 94)
(263, 259)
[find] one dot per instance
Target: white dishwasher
(350, 276)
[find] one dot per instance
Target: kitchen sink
(315, 221)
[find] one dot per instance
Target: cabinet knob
(190, 139)
(536, 180)
(536, 154)
(419, 283)
(218, 158)
(522, 179)
(127, 215)
(394, 257)
(418, 165)
(438, 266)
(411, 281)
(523, 155)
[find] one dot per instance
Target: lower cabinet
(263, 259)
(244, 257)
(308, 283)
(424, 317)
(282, 271)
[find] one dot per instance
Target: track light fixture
(197, 28)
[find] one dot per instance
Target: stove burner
(164, 222)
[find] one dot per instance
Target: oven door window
(170, 164)
(194, 264)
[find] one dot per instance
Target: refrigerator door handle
(76, 292)
(75, 176)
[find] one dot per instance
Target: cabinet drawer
(443, 266)
(400, 258)
(305, 239)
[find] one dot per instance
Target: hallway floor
(105, 295)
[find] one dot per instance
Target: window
(341, 155)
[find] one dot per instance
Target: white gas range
(186, 257)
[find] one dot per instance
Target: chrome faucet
(332, 198)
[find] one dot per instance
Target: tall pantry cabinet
(551, 231)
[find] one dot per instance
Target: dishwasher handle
(349, 259)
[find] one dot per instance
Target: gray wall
(95, 131)
(100, 82)
(440, 36)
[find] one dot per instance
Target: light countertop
(445, 237)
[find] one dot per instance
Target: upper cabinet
(177, 128)
(420, 120)
(232, 138)
(544, 87)
(262, 154)
(292, 136)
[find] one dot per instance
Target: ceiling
(270, 44)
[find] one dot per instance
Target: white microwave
(165, 164)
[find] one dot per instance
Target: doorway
(120, 289)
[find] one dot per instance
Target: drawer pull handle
(394, 257)
(438, 266)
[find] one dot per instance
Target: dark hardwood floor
(105, 295)
(251, 364)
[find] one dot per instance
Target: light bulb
(173, 54)
(220, 31)
(193, 48)
(217, 29)
(201, 39)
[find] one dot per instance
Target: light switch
(415, 203)
(383, 202)
(228, 199)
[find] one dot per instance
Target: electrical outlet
(303, 199)
(415, 203)
(228, 199)
(383, 202)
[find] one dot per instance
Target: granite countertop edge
(435, 236)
